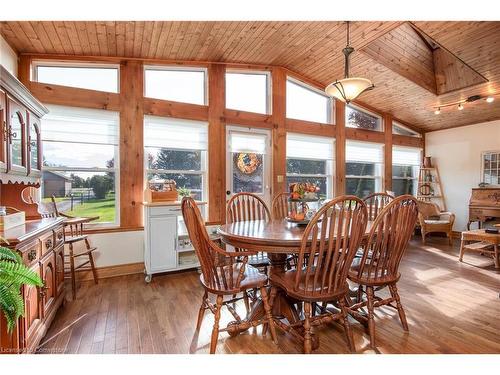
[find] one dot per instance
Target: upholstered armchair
(432, 219)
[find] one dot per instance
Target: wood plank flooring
(451, 307)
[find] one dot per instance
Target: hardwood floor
(451, 307)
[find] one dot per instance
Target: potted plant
(184, 192)
(13, 275)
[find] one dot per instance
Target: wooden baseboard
(112, 271)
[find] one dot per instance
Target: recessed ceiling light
(460, 106)
(437, 111)
(490, 99)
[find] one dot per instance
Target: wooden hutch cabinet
(20, 142)
(39, 241)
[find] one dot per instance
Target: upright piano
(484, 205)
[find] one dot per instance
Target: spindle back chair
(382, 254)
(328, 247)
(375, 203)
(280, 206)
(244, 207)
(223, 273)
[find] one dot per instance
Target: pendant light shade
(349, 88)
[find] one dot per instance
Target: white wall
(8, 58)
(457, 154)
(118, 248)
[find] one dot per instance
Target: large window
(364, 162)
(306, 103)
(356, 117)
(187, 85)
(80, 147)
(310, 159)
(400, 129)
(85, 76)
(405, 166)
(177, 150)
(248, 91)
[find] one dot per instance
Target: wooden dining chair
(375, 203)
(324, 278)
(223, 276)
(244, 207)
(379, 265)
(280, 206)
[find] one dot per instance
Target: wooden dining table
(279, 239)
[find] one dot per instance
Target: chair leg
(347, 326)
(201, 312)
(371, 318)
(307, 328)
(215, 330)
(72, 270)
(92, 266)
(359, 296)
(423, 236)
(272, 296)
(450, 239)
(246, 301)
(269, 316)
(401, 311)
(462, 250)
(496, 254)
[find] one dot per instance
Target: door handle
(228, 192)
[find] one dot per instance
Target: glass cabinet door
(16, 138)
(34, 146)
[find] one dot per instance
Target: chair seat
(286, 281)
(73, 239)
(434, 222)
(368, 279)
(252, 278)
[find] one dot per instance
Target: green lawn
(104, 208)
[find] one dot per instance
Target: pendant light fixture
(349, 88)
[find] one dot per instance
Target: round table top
(275, 236)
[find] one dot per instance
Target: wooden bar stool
(73, 234)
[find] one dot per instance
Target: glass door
(248, 163)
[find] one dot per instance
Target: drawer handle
(32, 255)
(59, 236)
(43, 291)
(48, 243)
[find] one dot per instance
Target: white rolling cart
(167, 246)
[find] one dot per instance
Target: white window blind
(364, 152)
(300, 146)
(245, 142)
(177, 134)
(406, 156)
(80, 125)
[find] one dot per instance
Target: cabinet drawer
(47, 242)
(58, 236)
(30, 252)
(165, 210)
(484, 212)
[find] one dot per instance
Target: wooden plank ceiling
(312, 49)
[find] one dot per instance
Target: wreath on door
(247, 163)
